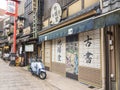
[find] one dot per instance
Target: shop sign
(60, 50)
(20, 50)
(70, 31)
(90, 49)
(45, 37)
(56, 13)
(20, 23)
(29, 48)
(26, 31)
(6, 47)
(10, 7)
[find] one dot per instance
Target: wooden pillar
(43, 52)
(103, 57)
(38, 51)
(51, 56)
(117, 53)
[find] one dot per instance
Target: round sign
(56, 13)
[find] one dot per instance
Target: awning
(82, 26)
(109, 19)
(24, 39)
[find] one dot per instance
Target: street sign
(10, 8)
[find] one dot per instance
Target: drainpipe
(103, 66)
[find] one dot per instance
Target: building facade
(25, 32)
(29, 40)
(7, 34)
(78, 40)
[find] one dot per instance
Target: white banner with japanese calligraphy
(89, 49)
(58, 49)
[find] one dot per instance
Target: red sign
(10, 7)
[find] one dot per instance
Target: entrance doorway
(72, 56)
(48, 55)
(112, 46)
(117, 49)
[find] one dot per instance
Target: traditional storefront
(29, 51)
(90, 57)
(26, 46)
(78, 49)
(48, 59)
(112, 52)
(58, 56)
(116, 70)
(78, 56)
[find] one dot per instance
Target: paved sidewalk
(64, 83)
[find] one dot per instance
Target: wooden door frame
(107, 62)
(43, 54)
(110, 58)
(117, 49)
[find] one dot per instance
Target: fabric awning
(82, 26)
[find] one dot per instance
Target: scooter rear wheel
(42, 75)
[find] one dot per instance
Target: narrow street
(14, 78)
(17, 78)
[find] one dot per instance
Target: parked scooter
(37, 68)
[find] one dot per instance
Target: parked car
(37, 68)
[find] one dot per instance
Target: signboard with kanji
(10, 7)
(56, 13)
(89, 49)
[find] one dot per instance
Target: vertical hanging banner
(10, 8)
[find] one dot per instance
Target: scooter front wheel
(42, 75)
